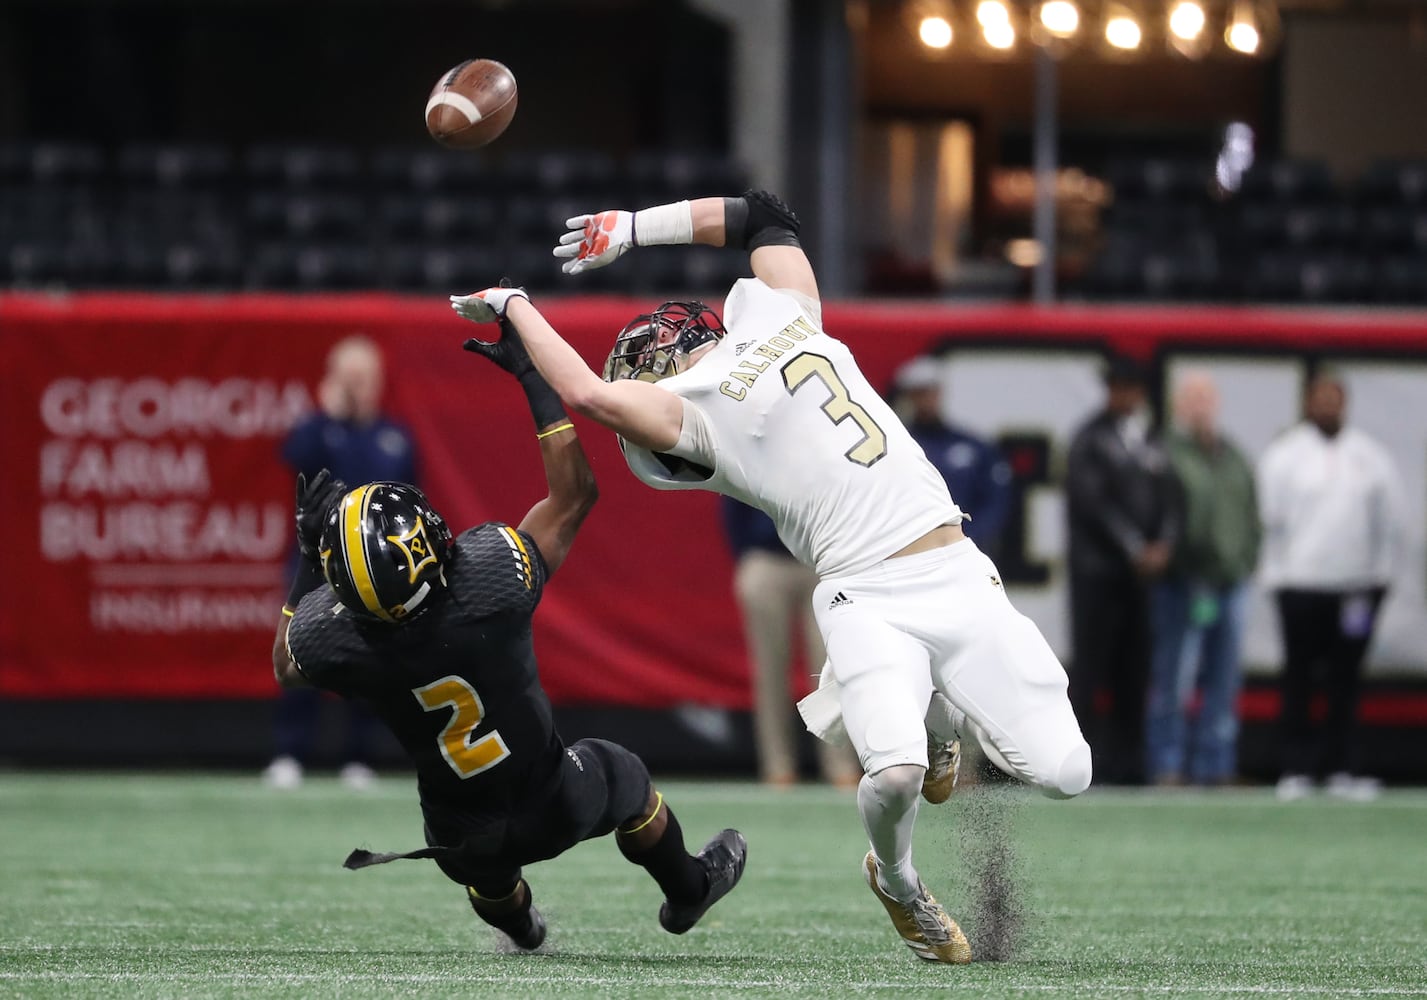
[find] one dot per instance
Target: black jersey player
(435, 634)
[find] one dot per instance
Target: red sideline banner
(150, 515)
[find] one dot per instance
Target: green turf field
(202, 886)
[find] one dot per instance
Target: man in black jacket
(1122, 528)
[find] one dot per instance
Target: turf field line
(646, 980)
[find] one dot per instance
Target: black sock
(513, 919)
(682, 877)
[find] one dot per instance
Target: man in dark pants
(435, 634)
(1122, 523)
(1332, 509)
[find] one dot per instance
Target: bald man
(1197, 608)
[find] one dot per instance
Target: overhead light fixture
(1242, 34)
(999, 35)
(1186, 21)
(1059, 18)
(989, 12)
(1123, 32)
(935, 32)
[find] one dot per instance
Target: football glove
(488, 305)
(315, 501)
(595, 240)
(508, 352)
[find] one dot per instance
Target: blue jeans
(1198, 631)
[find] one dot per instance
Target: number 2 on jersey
(840, 407)
(467, 757)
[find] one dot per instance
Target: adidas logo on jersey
(738, 349)
(839, 600)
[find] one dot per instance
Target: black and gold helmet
(383, 550)
(658, 344)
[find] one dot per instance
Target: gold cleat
(943, 765)
(923, 924)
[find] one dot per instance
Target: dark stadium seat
(1395, 182)
(1400, 279)
(440, 268)
(1159, 180)
(175, 166)
(653, 177)
(311, 268)
(318, 167)
(53, 163)
(434, 171)
(1308, 277)
(1288, 181)
(307, 216)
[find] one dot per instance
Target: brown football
(471, 104)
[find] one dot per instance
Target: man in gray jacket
(1199, 604)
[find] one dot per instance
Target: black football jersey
(458, 684)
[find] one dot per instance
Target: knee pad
(898, 783)
(1074, 774)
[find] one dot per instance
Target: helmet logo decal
(416, 547)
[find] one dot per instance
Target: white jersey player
(922, 643)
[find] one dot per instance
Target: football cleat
(943, 767)
(723, 858)
(922, 923)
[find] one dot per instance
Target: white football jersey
(778, 415)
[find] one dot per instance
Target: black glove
(315, 501)
(507, 352)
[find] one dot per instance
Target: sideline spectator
(775, 595)
(349, 436)
(976, 472)
(1122, 525)
(1198, 607)
(1332, 507)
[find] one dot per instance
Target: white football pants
(940, 621)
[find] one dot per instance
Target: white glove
(488, 305)
(595, 240)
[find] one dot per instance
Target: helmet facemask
(658, 344)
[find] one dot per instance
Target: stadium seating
(1291, 233)
(302, 217)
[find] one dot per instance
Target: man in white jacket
(1332, 504)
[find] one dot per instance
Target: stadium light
(1123, 32)
(1059, 18)
(989, 12)
(1186, 21)
(999, 35)
(935, 32)
(1242, 34)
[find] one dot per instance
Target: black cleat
(534, 937)
(723, 858)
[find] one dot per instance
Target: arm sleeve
(1390, 530)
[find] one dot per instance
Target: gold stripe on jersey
(354, 514)
(522, 556)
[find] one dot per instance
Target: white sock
(888, 803)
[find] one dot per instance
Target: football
(471, 104)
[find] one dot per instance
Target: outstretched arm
(640, 412)
(553, 521)
(757, 221)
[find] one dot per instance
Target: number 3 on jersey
(466, 756)
(840, 407)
